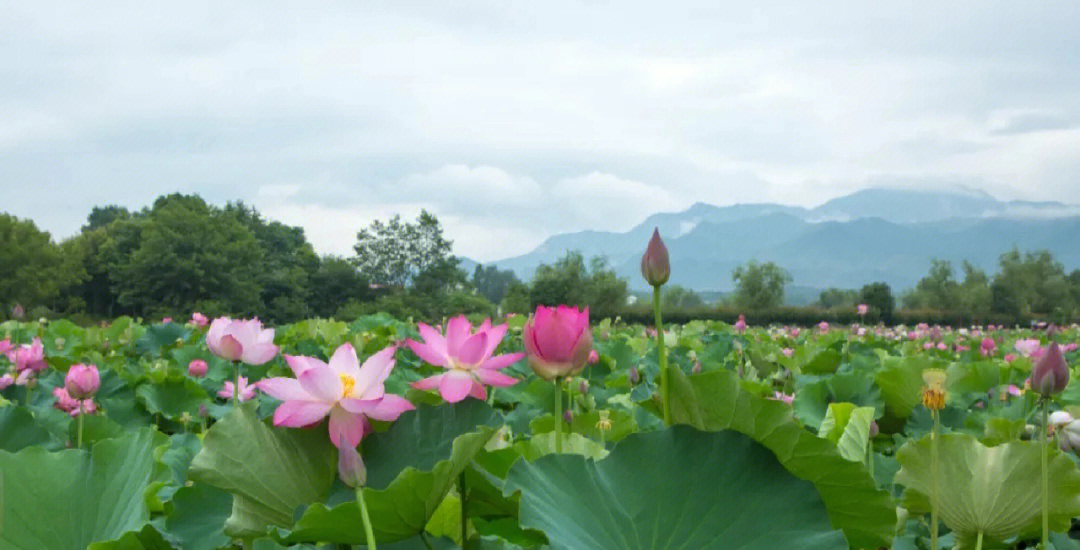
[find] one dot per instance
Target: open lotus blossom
(740, 324)
(784, 397)
(467, 358)
(247, 391)
(5, 346)
(343, 389)
(241, 340)
(823, 326)
(72, 406)
(1059, 419)
(29, 358)
(558, 341)
(6, 380)
(1069, 437)
(988, 346)
(1027, 347)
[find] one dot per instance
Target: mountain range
(872, 235)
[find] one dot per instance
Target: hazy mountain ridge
(870, 235)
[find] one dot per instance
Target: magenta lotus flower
(198, 319)
(988, 346)
(241, 340)
(594, 357)
(1050, 374)
(6, 380)
(82, 381)
(197, 368)
(30, 358)
(247, 391)
(5, 347)
(823, 326)
(655, 265)
(74, 407)
(343, 389)
(467, 358)
(862, 309)
(1027, 346)
(558, 341)
(166, 320)
(740, 324)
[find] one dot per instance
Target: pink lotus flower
(1014, 390)
(928, 345)
(467, 358)
(349, 393)
(988, 346)
(1050, 374)
(594, 357)
(29, 357)
(1010, 357)
(72, 406)
(1027, 346)
(5, 346)
(558, 341)
(82, 381)
(241, 340)
(795, 332)
(6, 380)
(247, 391)
(863, 309)
(823, 326)
(740, 325)
(788, 352)
(197, 368)
(1068, 348)
(655, 265)
(198, 319)
(166, 320)
(942, 346)
(784, 397)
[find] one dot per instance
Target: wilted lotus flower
(1050, 374)
(241, 340)
(655, 265)
(197, 368)
(467, 358)
(933, 394)
(1027, 346)
(245, 393)
(558, 341)
(82, 381)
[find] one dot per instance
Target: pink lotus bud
(351, 468)
(82, 381)
(874, 430)
(740, 325)
(634, 375)
(558, 341)
(197, 368)
(823, 326)
(594, 357)
(655, 266)
(166, 320)
(568, 416)
(1050, 374)
(1010, 357)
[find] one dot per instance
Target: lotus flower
(343, 389)
(1027, 346)
(467, 358)
(740, 324)
(6, 380)
(823, 326)
(29, 358)
(655, 265)
(197, 368)
(72, 406)
(558, 341)
(5, 347)
(1060, 418)
(988, 346)
(862, 309)
(247, 391)
(784, 397)
(1069, 437)
(1050, 374)
(82, 381)
(241, 340)
(198, 319)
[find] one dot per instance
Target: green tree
(1031, 283)
(879, 298)
(33, 269)
(569, 281)
(492, 282)
(760, 285)
(975, 295)
(937, 290)
(335, 284)
(838, 297)
(517, 299)
(100, 216)
(392, 253)
(678, 297)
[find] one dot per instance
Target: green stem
(978, 541)
(236, 385)
(1045, 475)
(427, 543)
(662, 355)
(79, 419)
(558, 415)
(368, 532)
(463, 493)
(934, 481)
(870, 458)
(491, 396)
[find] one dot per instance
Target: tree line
(182, 254)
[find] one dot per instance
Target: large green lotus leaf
(269, 471)
(812, 400)
(18, 429)
(714, 401)
(198, 517)
(677, 488)
(849, 427)
(901, 383)
(172, 398)
(69, 499)
(411, 467)
(996, 490)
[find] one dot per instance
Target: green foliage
(493, 283)
(337, 282)
(33, 269)
(569, 281)
(879, 298)
(394, 252)
(679, 297)
(759, 285)
(838, 297)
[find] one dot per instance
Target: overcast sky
(516, 120)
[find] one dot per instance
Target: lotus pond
(534, 432)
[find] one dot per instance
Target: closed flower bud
(82, 381)
(197, 368)
(351, 468)
(655, 265)
(568, 416)
(635, 376)
(1050, 374)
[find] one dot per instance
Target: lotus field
(542, 431)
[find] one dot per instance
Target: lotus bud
(568, 416)
(82, 381)
(655, 265)
(18, 312)
(351, 468)
(594, 357)
(203, 411)
(635, 376)
(197, 368)
(696, 368)
(1050, 374)
(583, 386)
(874, 429)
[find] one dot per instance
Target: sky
(513, 121)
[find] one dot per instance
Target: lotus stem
(369, 534)
(427, 543)
(78, 431)
(558, 415)
(1045, 474)
(978, 541)
(934, 481)
(236, 385)
(463, 490)
(661, 354)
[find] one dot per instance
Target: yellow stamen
(348, 383)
